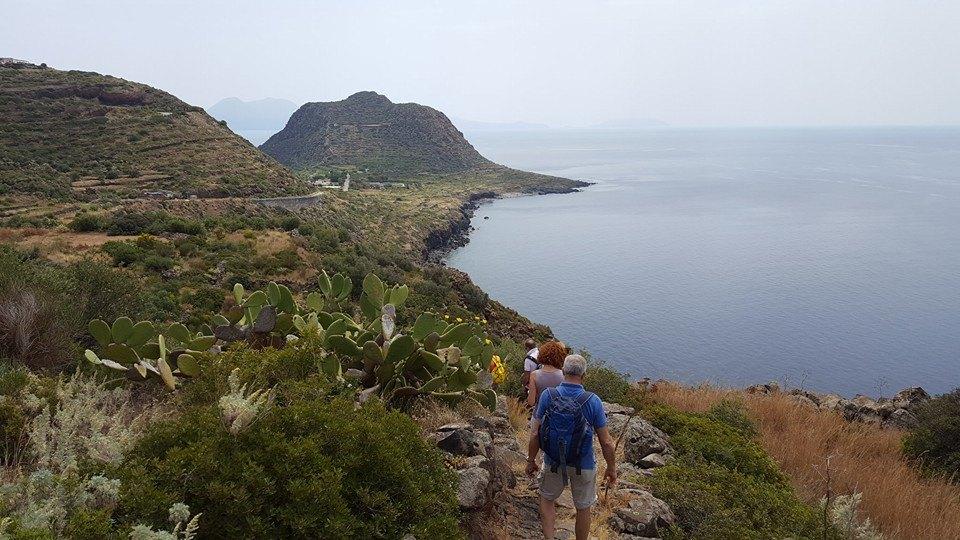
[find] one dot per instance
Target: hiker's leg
(548, 518)
(584, 488)
(583, 524)
(551, 486)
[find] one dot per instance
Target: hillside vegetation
(215, 367)
(80, 135)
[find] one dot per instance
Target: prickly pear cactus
(374, 352)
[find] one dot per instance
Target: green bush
(86, 222)
(606, 382)
(310, 469)
(158, 263)
(712, 501)
(123, 253)
(715, 441)
(722, 484)
(934, 445)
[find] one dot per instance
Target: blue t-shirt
(592, 411)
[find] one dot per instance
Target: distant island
(260, 114)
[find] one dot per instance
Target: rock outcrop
(369, 130)
(895, 412)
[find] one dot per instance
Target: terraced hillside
(370, 131)
(81, 135)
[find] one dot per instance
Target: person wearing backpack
(564, 424)
(530, 364)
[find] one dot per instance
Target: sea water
(821, 258)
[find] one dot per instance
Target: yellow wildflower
(459, 319)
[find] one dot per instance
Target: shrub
(86, 222)
(289, 223)
(934, 445)
(608, 383)
(722, 484)
(713, 501)
(309, 469)
(715, 441)
(158, 263)
(123, 253)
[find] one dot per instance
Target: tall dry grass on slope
(862, 459)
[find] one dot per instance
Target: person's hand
(611, 476)
(532, 467)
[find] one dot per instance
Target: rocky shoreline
(440, 243)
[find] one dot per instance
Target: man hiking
(563, 426)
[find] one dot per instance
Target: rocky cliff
(369, 130)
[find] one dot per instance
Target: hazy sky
(724, 62)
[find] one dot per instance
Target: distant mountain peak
(369, 97)
(367, 129)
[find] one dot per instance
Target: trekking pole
(616, 448)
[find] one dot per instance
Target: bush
(85, 222)
(606, 382)
(158, 263)
(123, 253)
(722, 484)
(934, 445)
(713, 501)
(311, 469)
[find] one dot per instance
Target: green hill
(369, 130)
(75, 134)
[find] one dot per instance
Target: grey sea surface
(827, 258)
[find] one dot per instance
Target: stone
(909, 398)
(459, 439)
(902, 419)
(643, 439)
(804, 401)
(830, 402)
(652, 461)
(643, 515)
(472, 487)
(615, 408)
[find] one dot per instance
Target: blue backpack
(563, 428)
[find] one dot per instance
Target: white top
(531, 365)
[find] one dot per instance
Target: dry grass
(863, 459)
(430, 415)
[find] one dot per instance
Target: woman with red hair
(550, 374)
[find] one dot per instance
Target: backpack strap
(581, 401)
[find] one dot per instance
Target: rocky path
(500, 502)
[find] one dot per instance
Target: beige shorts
(583, 486)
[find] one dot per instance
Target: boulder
(902, 419)
(643, 439)
(462, 440)
(909, 398)
(644, 515)
(472, 487)
(804, 401)
(770, 388)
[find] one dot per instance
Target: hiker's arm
(609, 453)
(532, 393)
(526, 379)
(533, 447)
